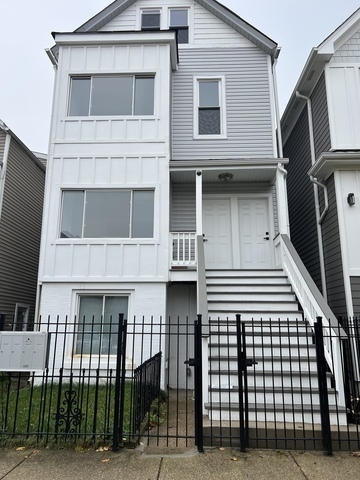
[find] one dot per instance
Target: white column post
(282, 203)
(199, 228)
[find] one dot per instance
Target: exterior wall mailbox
(23, 351)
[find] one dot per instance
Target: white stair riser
(261, 351)
(270, 416)
(266, 340)
(257, 288)
(271, 381)
(260, 274)
(264, 315)
(237, 307)
(254, 297)
(270, 398)
(295, 365)
(260, 329)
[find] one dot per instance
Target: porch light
(351, 199)
(225, 177)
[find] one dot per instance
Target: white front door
(237, 233)
(217, 229)
(254, 234)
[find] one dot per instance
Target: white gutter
(277, 111)
(3, 165)
(319, 218)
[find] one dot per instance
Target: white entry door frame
(236, 226)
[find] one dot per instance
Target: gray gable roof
(214, 7)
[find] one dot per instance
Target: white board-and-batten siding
(113, 59)
(248, 108)
(106, 259)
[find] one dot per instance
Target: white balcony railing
(183, 249)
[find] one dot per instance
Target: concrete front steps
(283, 386)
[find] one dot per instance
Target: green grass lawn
(50, 413)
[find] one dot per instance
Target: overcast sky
(26, 75)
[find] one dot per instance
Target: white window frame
(222, 102)
(74, 360)
(182, 45)
(91, 76)
(140, 11)
(115, 240)
(25, 307)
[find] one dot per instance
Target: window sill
(111, 117)
(105, 241)
(210, 137)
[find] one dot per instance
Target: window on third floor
(111, 95)
(179, 21)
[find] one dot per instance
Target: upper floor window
(209, 107)
(107, 214)
(111, 95)
(179, 21)
(150, 20)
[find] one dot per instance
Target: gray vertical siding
(320, 118)
(302, 213)
(20, 228)
(249, 127)
(332, 254)
(355, 290)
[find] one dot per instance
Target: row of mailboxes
(23, 351)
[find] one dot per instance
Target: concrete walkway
(213, 464)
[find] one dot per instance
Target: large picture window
(98, 324)
(107, 214)
(111, 95)
(209, 107)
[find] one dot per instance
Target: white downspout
(3, 165)
(316, 195)
(277, 111)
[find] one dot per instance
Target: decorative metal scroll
(69, 416)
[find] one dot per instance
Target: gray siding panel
(332, 254)
(355, 289)
(320, 118)
(349, 52)
(249, 126)
(20, 228)
(183, 201)
(302, 213)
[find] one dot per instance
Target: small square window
(150, 20)
(179, 21)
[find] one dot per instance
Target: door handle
(266, 238)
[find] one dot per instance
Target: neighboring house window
(21, 317)
(179, 22)
(107, 214)
(209, 113)
(150, 20)
(98, 323)
(112, 95)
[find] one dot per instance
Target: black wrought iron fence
(108, 380)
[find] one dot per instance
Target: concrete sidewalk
(213, 464)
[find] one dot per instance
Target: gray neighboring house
(22, 179)
(321, 138)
